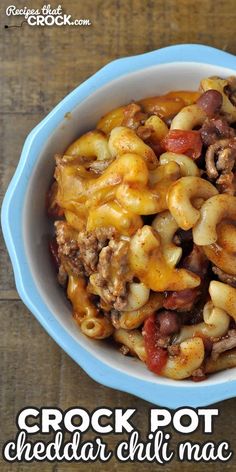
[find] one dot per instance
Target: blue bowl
(25, 225)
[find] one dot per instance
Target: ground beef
(133, 116)
(225, 344)
(99, 166)
(68, 251)
(226, 155)
(99, 253)
(144, 132)
(174, 349)
(90, 245)
(147, 134)
(115, 318)
(221, 163)
(62, 275)
(87, 162)
(214, 129)
(226, 183)
(113, 274)
(198, 374)
(226, 278)
(79, 252)
(124, 350)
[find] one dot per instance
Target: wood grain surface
(39, 66)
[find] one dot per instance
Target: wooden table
(39, 66)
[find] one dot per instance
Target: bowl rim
(11, 220)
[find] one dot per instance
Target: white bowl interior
(150, 81)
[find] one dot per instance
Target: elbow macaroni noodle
(134, 319)
(124, 178)
(186, 164)
(124, 140)
(223, 296)
(148, 263)
(215, 324)
(133, 340)
(138, 296)
(181, 195)
(226, 360)
(166, 226)
(188, 118)
(86, 314)
(187, 361)
(92, 144)
(213, 211)
(220, 249)
(158, 126)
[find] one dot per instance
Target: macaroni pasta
(145, 229)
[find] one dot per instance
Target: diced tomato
(183, 142)
(156, 356)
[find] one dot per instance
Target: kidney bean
(169, 322)
(210, 102)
